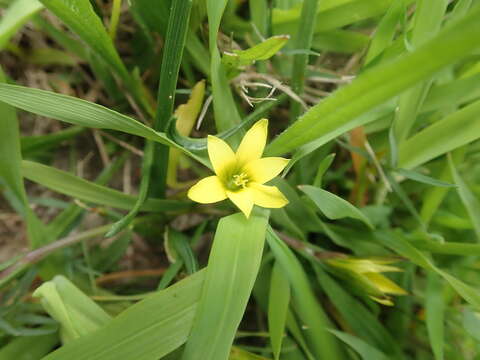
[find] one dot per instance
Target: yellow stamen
(240, 180)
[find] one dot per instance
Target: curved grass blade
(80, 112)
(333, 206)
(71, 185)
(231, 272)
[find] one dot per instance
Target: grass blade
(231, 272)
(71, 185)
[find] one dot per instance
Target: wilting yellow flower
(240, 176)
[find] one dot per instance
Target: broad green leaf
(232, 268)
(17, 14)
(468, 198)
(377, 85)
(333, 206)
(366, 351)
(147, 330)
(435, 313)
(71, 185)
(278, 301)
(413, 175)
(310, 312)
(77, 314)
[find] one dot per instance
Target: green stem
(114, 19)
(172, 57)
(303, 41)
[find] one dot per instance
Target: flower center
(240, 180)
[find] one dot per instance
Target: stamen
(240, 180)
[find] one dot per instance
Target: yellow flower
(240, 176)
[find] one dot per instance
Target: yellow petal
(208, 190)
(253, 143)
(243, 200)
(384, 284)
(220, 154)
(267, 196)
(265, 169)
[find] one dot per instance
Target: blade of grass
(172, 57)
(427, 21)
(469, 200)
(435, 311)
(71, 185)
(278, 301)
(453, 131)
(233, 265)
(224, 107)
(302, 41)
(311, 314)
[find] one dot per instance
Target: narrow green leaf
(17, 14)
(322, 169)
(73, 110)
(310, 312)
(427, 21)
(71, 185)
(385, 31)
(468, 198)
(375, 86)
(172, 57)
(225, 109)
(366, 351)
(278, 301)
(455, 130)
(333, 206)
(413, 175)
(232, 268)
(435, 311)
